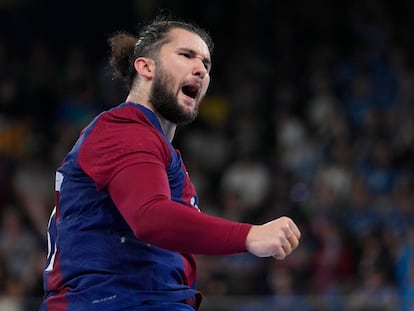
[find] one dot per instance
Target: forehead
(181, 38)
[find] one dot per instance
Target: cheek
(203, 91)
(206, 85)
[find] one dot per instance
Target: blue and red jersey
(126, 222)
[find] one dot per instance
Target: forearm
(141, 194)
(180, 228)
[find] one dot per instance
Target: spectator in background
(374, 293)
(361, 216)
(284, 294)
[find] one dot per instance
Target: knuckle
(285, 218)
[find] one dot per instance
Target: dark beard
(165, 102)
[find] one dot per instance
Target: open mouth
(191, 90)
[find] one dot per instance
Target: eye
(207, 66)
(185, 54)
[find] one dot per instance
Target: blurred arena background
(310, 114)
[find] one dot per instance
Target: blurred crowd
(310, 114)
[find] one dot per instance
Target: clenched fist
(277, 238)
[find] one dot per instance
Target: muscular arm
(141, 193)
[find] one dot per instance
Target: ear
(144, 67)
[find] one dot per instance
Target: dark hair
(125, 47)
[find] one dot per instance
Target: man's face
(181, 77)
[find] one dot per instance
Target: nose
(200, 69)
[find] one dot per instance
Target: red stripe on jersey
(54, 281)
(190, 269)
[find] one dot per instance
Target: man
(127, 224)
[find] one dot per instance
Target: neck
(167, 126)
